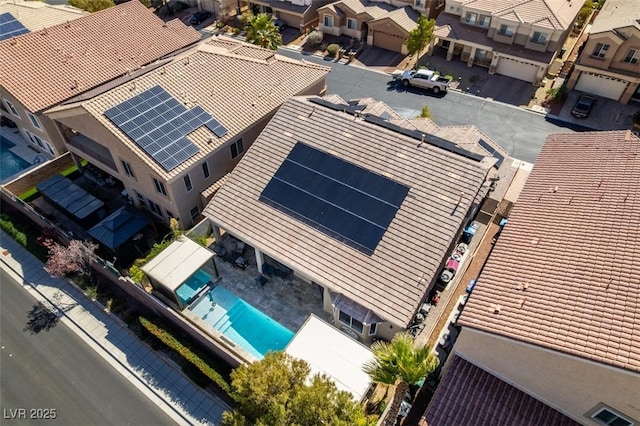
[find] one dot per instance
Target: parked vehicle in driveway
(424, 79)
(199, 17)
(279, 23)
(583, 106)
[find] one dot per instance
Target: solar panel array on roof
(345, 201)
(159, 124)
(10, 26)
(492, 152)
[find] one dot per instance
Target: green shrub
(425, 112)
(7, 226)
(557, 94)
(193, 358)
(315, 38)
(332, 50)
(449, 77)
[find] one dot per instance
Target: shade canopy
(329, 351)
(69, 196)
(175, 264)
(115, 229)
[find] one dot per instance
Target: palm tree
(262, 31)
(400, 361)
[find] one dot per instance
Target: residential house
(516, 38)
(357, 202)
(550, 332)
(44, 68)
(379, 24)
(172, 133)
(609, 64)
(300, 14)
(35, 15)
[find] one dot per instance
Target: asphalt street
(55, 370)
(522, 133)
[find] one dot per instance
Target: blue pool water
(10, 164)
(241, 323)
(192, 286)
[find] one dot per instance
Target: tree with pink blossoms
(76, 258)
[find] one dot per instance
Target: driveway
(380, 59)
(607, 114)
(477, 80)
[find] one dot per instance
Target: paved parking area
(607, 114)
(381, 59)
(477, 80)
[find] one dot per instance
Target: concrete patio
(287, 300)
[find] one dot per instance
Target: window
(539, 38)
(34, 121)
(187, 183)
(607, 416)
(600, 51)
(160, 187)
(205, 169)
(170, 215)
(632, 56)
(352, 24)
(13, 109)
(420, 3)
(141, 199)
(484, 21)
(505, 30)
(36, 140)
(237, 148)
(373, 328)
(194, 212)
(351, 322)
(328, 21)
(127, 169)
(155, 208)
(471, 18)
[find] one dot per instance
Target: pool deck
(288, 301)
(21, 149)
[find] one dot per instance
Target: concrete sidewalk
(157, 378)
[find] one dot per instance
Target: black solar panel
(492, 151)
(159, 124)
(10, 27)
(345, 201)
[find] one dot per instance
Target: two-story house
(299, 14)
(609, 64)
(34, 16)
(172, 134)
(515, 38)
(42, 69)
(551, 331)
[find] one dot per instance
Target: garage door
(517, 69)
(600, 85)
(388, 41)
(290, 20)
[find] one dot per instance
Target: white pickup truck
(423, 78)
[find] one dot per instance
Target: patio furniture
(267, 269)
(261, 280)
(239, 247)
(241, 262)
(219, 250)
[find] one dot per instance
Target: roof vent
(14, 41)
(133, 86)
(74, 85)
(521, 302)
(421, 141)
(210, 141)
(495, 308)
(534, 241)
(164, 25)
(44, 32)
(187, 61)
(67, 24)
(312, 111)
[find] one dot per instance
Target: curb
(118, 365)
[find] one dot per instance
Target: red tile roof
(468, 395)
(43, 68)
(565, 273)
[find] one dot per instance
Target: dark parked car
(583, 107)
(279, 24)
(199, 17)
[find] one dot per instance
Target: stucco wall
(572, 385)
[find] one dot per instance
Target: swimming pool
(192, 286)
(241, 323)
(10, 164)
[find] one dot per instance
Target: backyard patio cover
(329, 351)
(119, 226)
(69, 196)
(177, 262)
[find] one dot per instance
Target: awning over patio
(329, 351)
(354, 309)
(175, 264)
(119, 226)
(69, 196)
